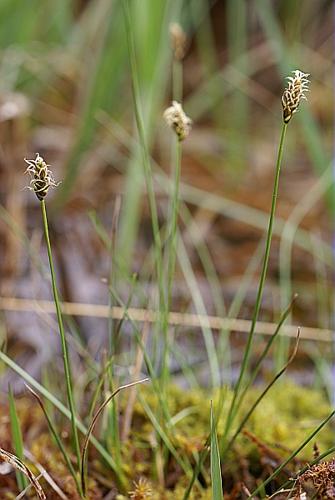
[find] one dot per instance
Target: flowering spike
(178, 41)
(297, 85)
(177, 119)
(41, 177)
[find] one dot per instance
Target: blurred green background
(65, 92)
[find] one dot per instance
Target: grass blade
(292, 455)
(57, 438)
(217, 493)
(91, 427)
(16, 439)
(19, 466)
(57, 404)
(258, 364)
(264, 392)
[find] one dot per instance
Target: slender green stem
(174, 219)
(172, 252)
(262, 395)
(177, 80)
(65, 352)
(177, 92)
(258, 364)
(247, 350)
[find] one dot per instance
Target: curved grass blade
(21, 467)
(57, 438)
(59, 405)
(91, 427)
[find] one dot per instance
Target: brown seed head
(177, 119)
(297, 85)
(178, 41)
(41, 177)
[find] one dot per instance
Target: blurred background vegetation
(66, 93)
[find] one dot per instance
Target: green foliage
(17, 440)
(217, 493)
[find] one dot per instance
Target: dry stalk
(20, 466)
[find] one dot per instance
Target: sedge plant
(180, 123)
(41, 181)
(291, 98)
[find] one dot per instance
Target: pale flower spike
(297, 85)
(177, 119)
(41, 177)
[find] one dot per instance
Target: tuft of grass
(57, 404)
(57, 438)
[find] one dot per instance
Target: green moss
(280, 423)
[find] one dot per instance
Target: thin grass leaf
(323, 455)
(147, 360)
(263, 393)
(204, 452)
(45, 475)
(144, 146)
(57, 404)
(217, 493)
(23, 469)
(258, 364)
(153, 54)
(198, 467)
(293, 454)
(227, 207)
(57, 438)
(129, 408)
(100, 85)
(16, 439)
(201, 310)
(286, 246)
(251, 216)
(97, 391)
(165, 438)
(83, 463)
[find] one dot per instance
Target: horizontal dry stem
(175, 318)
